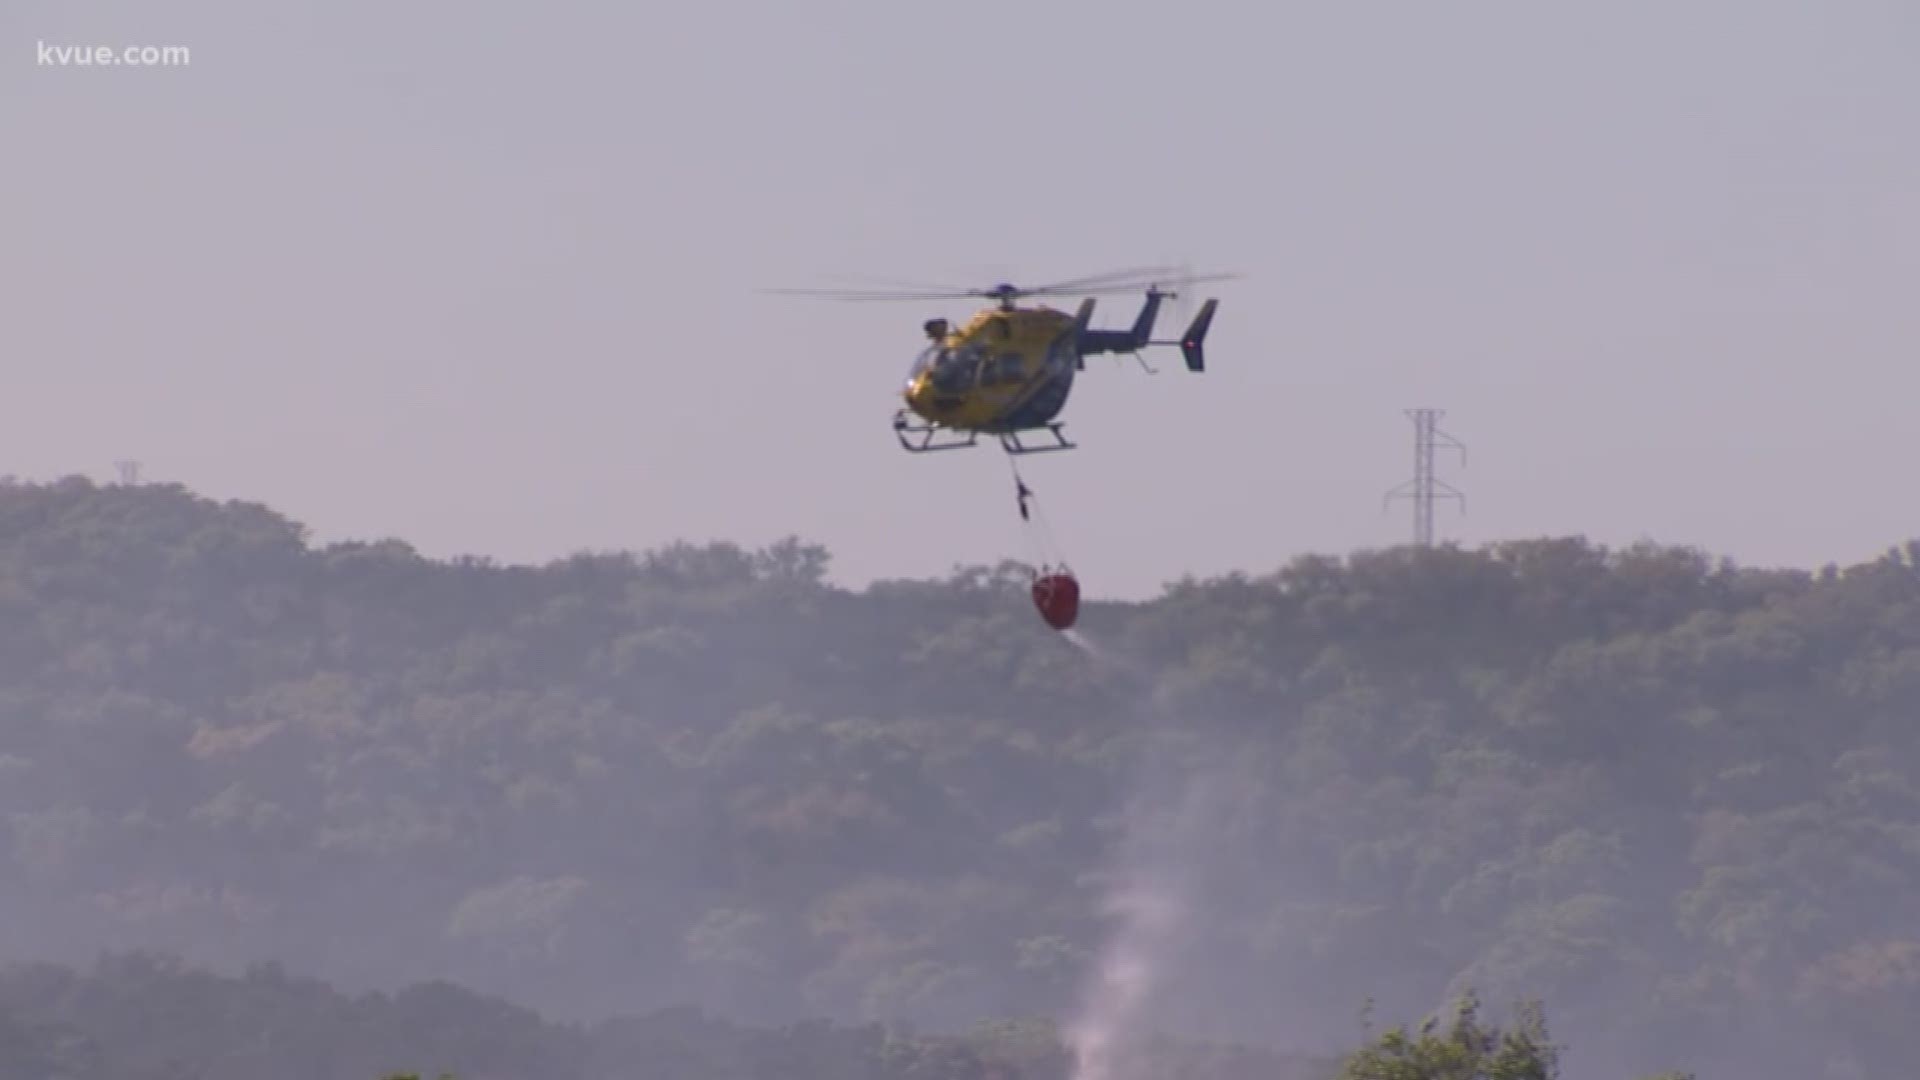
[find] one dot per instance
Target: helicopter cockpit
(954, 370)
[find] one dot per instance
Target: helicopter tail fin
(1082, 319)
(1142, 332)
(1193, 342)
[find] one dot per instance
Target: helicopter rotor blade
(1119, 281)
(1136, 284)
(875, 294)
(863, 282)
(1179, 311)
(1108, 278)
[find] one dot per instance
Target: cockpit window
(953, 369)
(925, 361)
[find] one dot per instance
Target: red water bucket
(1057, 596)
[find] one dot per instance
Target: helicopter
(1009, 369)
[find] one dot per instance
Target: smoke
(1150, 911)
(1151, 893)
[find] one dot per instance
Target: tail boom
(1192, 343)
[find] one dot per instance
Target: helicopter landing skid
(1010, 442)
(904, 426)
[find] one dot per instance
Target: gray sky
(482, 275)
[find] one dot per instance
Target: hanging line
(1038, 530)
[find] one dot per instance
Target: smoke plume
(1149, 893)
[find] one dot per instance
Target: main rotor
(1154, 280)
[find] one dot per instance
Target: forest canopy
(1674, 797)
(148, 1017)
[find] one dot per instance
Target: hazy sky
(482, 276)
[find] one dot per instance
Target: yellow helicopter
(1009, 369)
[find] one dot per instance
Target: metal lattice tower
(1424, 489)
(129, 472)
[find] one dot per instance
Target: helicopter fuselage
(1005, 370)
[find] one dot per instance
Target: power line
(1425, 489)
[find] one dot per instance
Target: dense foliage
(142, 1017)
(1675, 798)
(1466, 1047)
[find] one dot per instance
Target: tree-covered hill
(1676, 799)
(146, 1017)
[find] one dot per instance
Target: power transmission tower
(1424, 488)
(129, 472)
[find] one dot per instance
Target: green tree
(1468, 1049)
